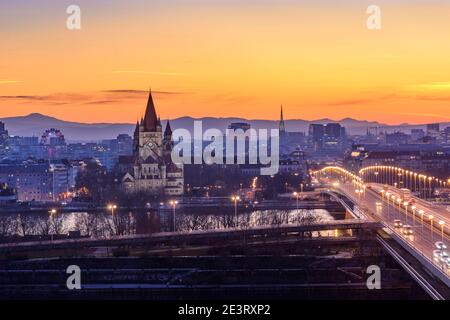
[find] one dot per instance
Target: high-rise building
(316, 134)
(417, 134)
(31, 180)
(433, 129)
(4, 145)
(3, 129)
(153, 171)
(239, 126)
(333, 130)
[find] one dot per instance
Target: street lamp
(52, 213)
(112, 208)
(295, 194)
(421, 212)
(174, 207)
(431, 217)
(429, 180)
(442, 224)
(414, 215)
(405, 204)
(235, 199)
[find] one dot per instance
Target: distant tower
(167, 142)
(281, 125)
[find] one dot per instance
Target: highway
(424, 234)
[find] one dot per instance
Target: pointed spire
(150, 119)
(168, 131)
(136, 130)
(281, 125)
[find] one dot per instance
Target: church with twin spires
(153, 171)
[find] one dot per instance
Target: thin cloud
(433, 86)
(102, 102)
(352, 102)
(92, 98)
(429, 115)
(10, 81)
(22, 98)
(140, 92)
(160, 73)
(433, 98)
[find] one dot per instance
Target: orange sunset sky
(226, 58)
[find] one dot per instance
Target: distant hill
(35, 124)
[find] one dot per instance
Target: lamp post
(414, 215)
(388, 196)
(358, 192)
(405, 204)
(442, 224)
(235, 199)
(52, 213)
(393, 204)
(301, 189)
(429, 180)
(421, 212)
(112, 208)
(295, 194)
(431, 217)
(174, 207)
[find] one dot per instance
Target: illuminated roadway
(373, 202)
(424, 236)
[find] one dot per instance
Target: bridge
(380, 194)
(190, 237)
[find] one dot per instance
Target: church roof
(168, 131)
(150, 118)
(136, 130)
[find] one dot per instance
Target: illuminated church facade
(153, 171)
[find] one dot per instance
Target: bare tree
(26, 225)
(7, 226)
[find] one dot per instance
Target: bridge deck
(176, 237)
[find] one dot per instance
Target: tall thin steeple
(150, 118)
(136, 130)
(281, 125)
(168, 131)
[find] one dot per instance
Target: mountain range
(35, 124)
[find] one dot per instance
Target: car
(397, 224)
(379, 204)
(443, 258)
(407, 230)
(440, 245)
(436, 254)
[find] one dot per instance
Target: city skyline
(319, 63)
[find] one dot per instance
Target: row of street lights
(396, 200)
(412, 180)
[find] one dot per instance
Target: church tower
(167, 141)
(153, 171)
(150, 135)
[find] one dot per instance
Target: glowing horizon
(227, 59)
